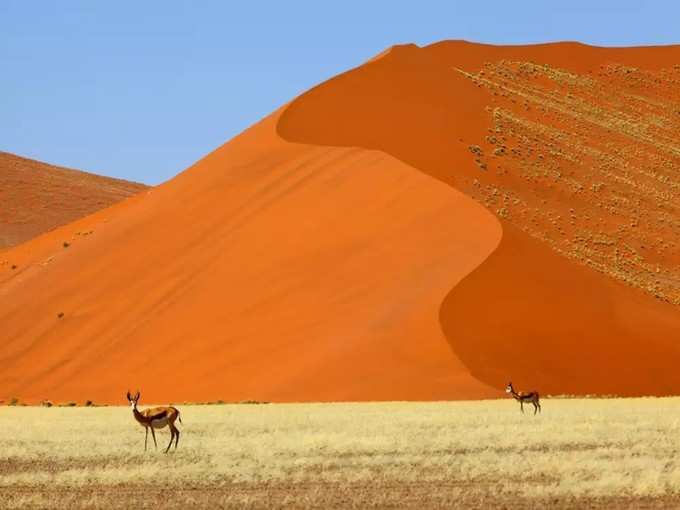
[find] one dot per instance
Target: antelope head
(508, 389)
(133, 399)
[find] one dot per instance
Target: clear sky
(142, 89)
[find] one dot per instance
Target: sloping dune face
(268, 271)
(575, 149)
(36, 197)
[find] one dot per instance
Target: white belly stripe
(160, 423)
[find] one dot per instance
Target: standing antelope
(156, 418)
(522, 397)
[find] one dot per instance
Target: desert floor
(579, 453)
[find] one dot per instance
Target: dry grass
(585, 452)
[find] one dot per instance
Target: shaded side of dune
(529, 315)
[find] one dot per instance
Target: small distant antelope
(522, 397)
(156, 418)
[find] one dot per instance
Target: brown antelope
(522, 397)
(156, 418)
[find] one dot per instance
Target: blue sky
(141, 90)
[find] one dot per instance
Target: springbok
(155, 418)
(522, 397)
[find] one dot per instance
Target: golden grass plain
(579, 453)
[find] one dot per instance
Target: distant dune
(36, 197)
(429, 225)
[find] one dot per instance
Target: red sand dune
(330, 252)
(36, 197)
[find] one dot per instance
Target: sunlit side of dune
(268, 271)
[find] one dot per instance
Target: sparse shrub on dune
(593, 143)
